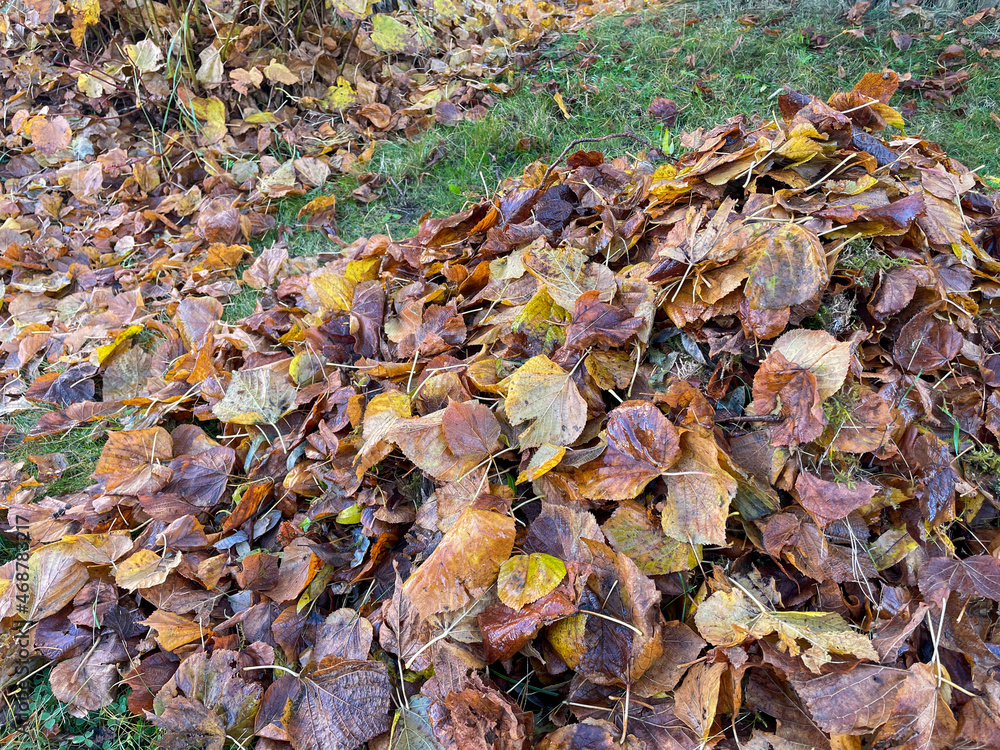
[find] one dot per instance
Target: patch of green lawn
(49, 726)
(704, 58)
(81, 447)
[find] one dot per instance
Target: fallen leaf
(465, 563)
(543, 392)
(524, 579)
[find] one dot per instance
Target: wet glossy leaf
(642, 444)
(787, 266)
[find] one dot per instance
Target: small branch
(598, 139)
(750, 418)
(343, 63)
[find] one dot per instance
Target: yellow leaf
(820, 353)
(391, 35)
(542, 322)
(546, 458)
(336, 291)
(174, 631)
(279, 73)
(567, 639)
(212, 115)
(630, 532)
(90, 86)
(567, 273)
(524, 579)
(350, 515)
(668, 184)
(103, 352)
(145, 568)
(449, 10)
(562, 105)
(340, 96)
(727, 618)
(320, 204)
(800, 149)
(145, 56)
(85, 13)
(353, 10)
(305, 367)
(261, 118)
(97, 549)
(542, 392)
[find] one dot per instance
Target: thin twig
(343, 63)
(751, 418)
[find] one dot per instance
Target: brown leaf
(664, 110)
(205, 702)
(470, 430)
(505, 630)
(54, 578)
(146, 678)
(920, 717)
(829, 501)
(464, 564)
(49, 136)
(642, 444)
(926, 343)
(598, 324)
(344, 634)
(793, 392)
(697, 698)
(345, 703)
(131, 462)
(865, 698)
(978, 575)
(87, 682)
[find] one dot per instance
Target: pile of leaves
(266, 97)
(644, 453)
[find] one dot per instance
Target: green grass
(608, 75)
(49, 727)
(243, 303)
(81, 447)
